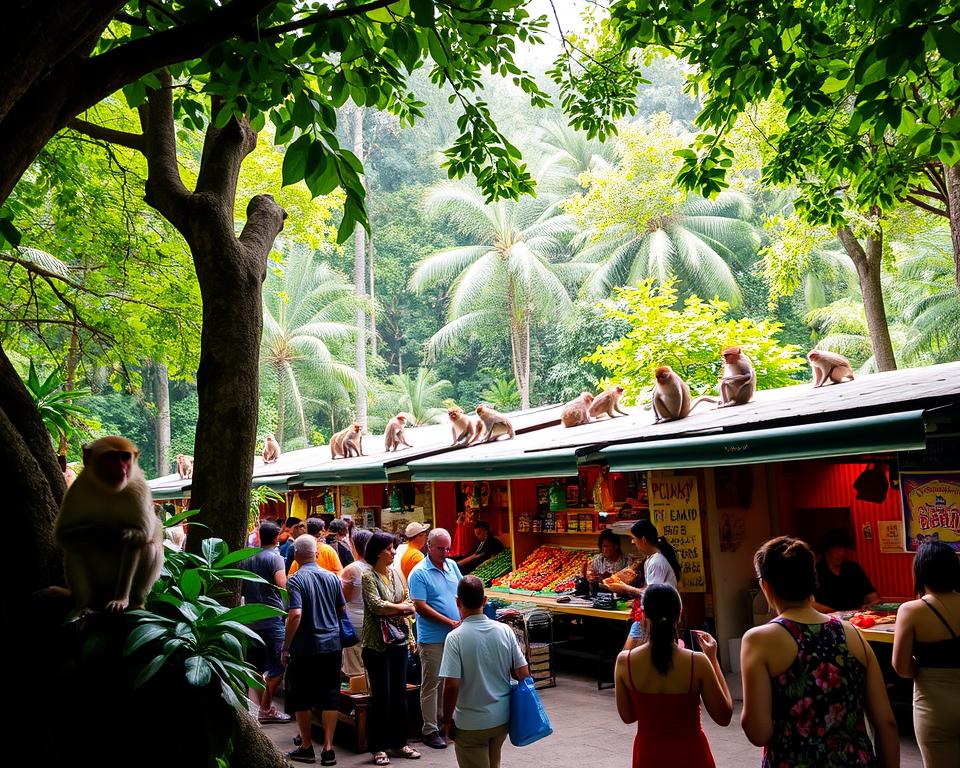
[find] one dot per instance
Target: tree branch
(926, 206)
(315, 18)
(94, 131)
(224, 150)
(264, 222)
(164, 187)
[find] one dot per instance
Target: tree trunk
(371, 253)
(281, 409)
(161, 398)
(868, 263)
(951, 174)
(359, 280)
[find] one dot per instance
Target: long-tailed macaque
(671, 396)
(577, 411)
(347, 442)
(607, 402)
(184, 466)
(829, 367)
(271, 449)
(393, 437)
(494, 424)
(465, 430)
(739, 380)
(111, 537)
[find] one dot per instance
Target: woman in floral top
(808, 678)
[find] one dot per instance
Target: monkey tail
(703, 399)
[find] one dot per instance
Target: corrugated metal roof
(539, 432)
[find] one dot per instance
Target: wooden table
(551, 604)
(879, 634)
(353, 713)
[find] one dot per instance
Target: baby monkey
(607, 402)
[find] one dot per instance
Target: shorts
(636, 631)
(266, 658)
(313, 682)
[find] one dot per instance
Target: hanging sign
(931, 508)
(675, 511)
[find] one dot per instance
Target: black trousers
(387, 716)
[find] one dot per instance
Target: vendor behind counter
(610, 560)
(842, 585)
(488, 545)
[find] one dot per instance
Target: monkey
(271, 450)
(346, 442)
(493, 425)
(577, 411)
(829, 366)
(465, 430)
(607, 402)
(393, 436)
(111, 537)
(739, 380)
(671, 396)
(184, 466)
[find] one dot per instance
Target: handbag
(395, 630)
(528, 718)
(348, 635)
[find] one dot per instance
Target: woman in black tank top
(926, 647)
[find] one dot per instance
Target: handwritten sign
(890, 535)
(675, 511)
(931, 508)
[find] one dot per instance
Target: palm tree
(501, 394)
(308, 313)
(511, 272)
(697, 243)
(419, 397)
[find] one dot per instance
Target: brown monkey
(829, 366)
(465, 430)
(184, 466)
(739, 380)
(336, 443)
(607, 402)
(112, 539)
(271, 449)
(494, 424)
(577, 411)
(353, 441)
(393, 437)
(671, 396)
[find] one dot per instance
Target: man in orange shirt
(416, 534)
(327, 556)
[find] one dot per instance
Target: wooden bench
(353, 712)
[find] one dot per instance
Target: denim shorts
(266, 658)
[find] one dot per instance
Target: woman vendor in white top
(660, 567)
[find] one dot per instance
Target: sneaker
(328, 757)
(303, 754)
(435, 740)
(273, 715)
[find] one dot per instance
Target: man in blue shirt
(312, 652)
(433, 589)
(479, 658)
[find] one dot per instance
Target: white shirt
(398, 555)
(657, 570)
(480, 653)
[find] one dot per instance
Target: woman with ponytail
(661, 566)
(659, 686)
(808, 678)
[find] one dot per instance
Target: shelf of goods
(496, 566)
(548, 570)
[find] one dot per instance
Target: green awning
(334, 475)
(273, 482)
(891, 432)
(170, 492)
(461, 465)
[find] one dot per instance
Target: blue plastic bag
(528, 718)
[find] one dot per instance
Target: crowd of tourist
(813, 690)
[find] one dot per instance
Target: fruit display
(547, 569)
(867, 619)
(496, 566)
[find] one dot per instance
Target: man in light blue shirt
(433, 589)
(479, 657)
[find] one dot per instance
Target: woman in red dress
(659, 687)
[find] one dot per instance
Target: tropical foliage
(419, 397)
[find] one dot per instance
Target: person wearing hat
(411, 553)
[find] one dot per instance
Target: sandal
(406, 751)
(380, 758)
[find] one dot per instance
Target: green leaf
(190, 584)
(948, 42)
(154, 666)
(247, 614)
(423, 12)
(198, 671)
(832, 85)
(141, 635)
(295, 162)
(236, 556)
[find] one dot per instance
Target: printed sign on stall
(675, 511)
(890, 533)
(931, 508)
